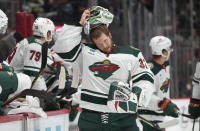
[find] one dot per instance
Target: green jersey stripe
(67, 60)
(93, 99)
(31, 73)
(146, 77)
(145, 72)
(195, 80)
(86, 90)
(33, 67)
(71, 54)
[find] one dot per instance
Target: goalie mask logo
(103, 69)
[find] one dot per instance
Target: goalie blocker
(122, 99)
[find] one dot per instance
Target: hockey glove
(67, 92)
(194, 107)
(74, 112)
(168, 107)
(50, 106)
(18, 37)
(121, 99)
(57, 63)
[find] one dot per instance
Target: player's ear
(110, 35)
(165, 52)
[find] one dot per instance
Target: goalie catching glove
(121, 99)
(168, 107)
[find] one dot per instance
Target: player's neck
(160, 60)
(42, 40)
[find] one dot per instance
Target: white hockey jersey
(99, 70)
(162, 84)
(196, 82)
(27, 57)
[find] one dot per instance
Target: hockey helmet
(98, 16)
(41, 26)
(160, 43)
(3, 22)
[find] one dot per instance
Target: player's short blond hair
(97, 31)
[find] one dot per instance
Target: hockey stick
(193, 124)
(61, 76)
(31, 92)
(129, 75)
(74, 85)
(186, 115)
(161, 125)
(44, 62)
(54, 75)
(75, 78)
(154, 125)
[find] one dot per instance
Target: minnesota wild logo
(165, 86)
(103, 69)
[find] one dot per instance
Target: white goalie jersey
(99, 70)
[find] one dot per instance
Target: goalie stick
(160, 125)
(43, 64)
(31, 92)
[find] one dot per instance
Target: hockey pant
(98, 121)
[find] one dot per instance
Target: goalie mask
(98, 16)
(3, 22)
(41, 26)
(160, 43)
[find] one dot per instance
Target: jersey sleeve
(196, 82)
(67, 42)
(17, 56)
(68, 46)
(143, 78)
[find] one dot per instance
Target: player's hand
(168, 107)
(57, 63)
(85, 14)
(18, 37)
(194, 107)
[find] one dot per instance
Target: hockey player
(194, 106)
(5, 48)
(8, 40)
(160, 105)
(105, 66)
(28, 55)
(10, 82)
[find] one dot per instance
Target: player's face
(104, 42)
(49, 36)
(167, 53)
